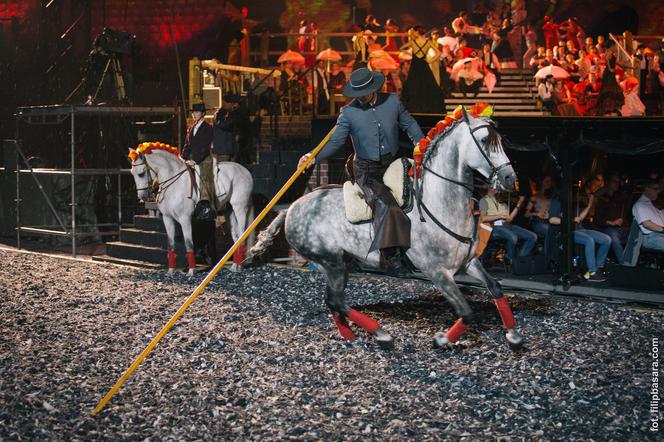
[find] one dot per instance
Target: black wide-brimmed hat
(363, 82)
(197, 107)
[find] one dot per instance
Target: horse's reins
(418, 189)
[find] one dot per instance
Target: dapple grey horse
(176, 197)
(442, 230)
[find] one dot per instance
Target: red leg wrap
(171, 259)
(191, 260)
(238, 256)
(505, 312)
(344, 329)
(363, 321)
(455, 332)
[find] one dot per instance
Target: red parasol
(291, 56)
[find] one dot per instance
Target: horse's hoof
(170, 272)
(235, 268)
(190, 273)
(514, 339)
(384, 340)
(440, 341)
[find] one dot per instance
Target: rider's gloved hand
(190, 163)
(303, 158)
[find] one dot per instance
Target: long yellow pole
(209, 276)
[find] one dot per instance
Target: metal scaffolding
(55, 115)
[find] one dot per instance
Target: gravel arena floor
(256, 358)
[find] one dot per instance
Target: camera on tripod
(105, 57)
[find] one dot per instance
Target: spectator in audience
(321, 89)
(584, 64)
(469, 80)
(633, 106)
(490, 61)
(337, 77)
(537, 210)
(595, 244)
(601, 45)
(649, 218)
(538, 60)
(498, 214)
(463, 49)
(545, 93)
(531, 45)
(571, 48)
(610, 206)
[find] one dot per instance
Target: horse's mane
(493, 142)
(148, 148)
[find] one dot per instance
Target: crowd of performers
(607, 207)
(426, 66)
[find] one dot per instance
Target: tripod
(112, 64)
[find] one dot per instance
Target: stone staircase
(145, 243)
(513, 96)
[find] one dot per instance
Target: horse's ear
(466, 117)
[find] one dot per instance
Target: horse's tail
(266, 237)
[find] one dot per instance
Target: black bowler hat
(363, 82)
(198, 107)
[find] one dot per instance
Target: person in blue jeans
(610, 205)
(491, 211)
(595, 244)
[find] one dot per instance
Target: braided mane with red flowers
(477, 110)
(147, 148)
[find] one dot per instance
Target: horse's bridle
(494, 170)
(157, 187)
(418, 191)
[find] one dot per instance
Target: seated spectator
(571, 49)
(538, 60)
(491, 211)
(583, 64)
(649, 218)
(565, 103)
(463, 49)
(595, 244)
(633, 106)
(610, 205)
(537, 210)
(545, 93)
(470, 80)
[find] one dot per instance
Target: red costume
(550, 33)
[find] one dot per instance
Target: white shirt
(645, 210)
(544, 91)
(197, 125)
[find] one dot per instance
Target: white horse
(442, 230)
(167, 175)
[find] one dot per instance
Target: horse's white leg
(169, 224)
(185, 223)
(476, 270)
(444, 280)
(337, 277)
(238, 219)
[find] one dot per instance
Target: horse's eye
(141, 175)
(484, 140)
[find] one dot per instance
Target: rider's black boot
(203, 211)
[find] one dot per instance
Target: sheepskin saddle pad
(395, 178)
